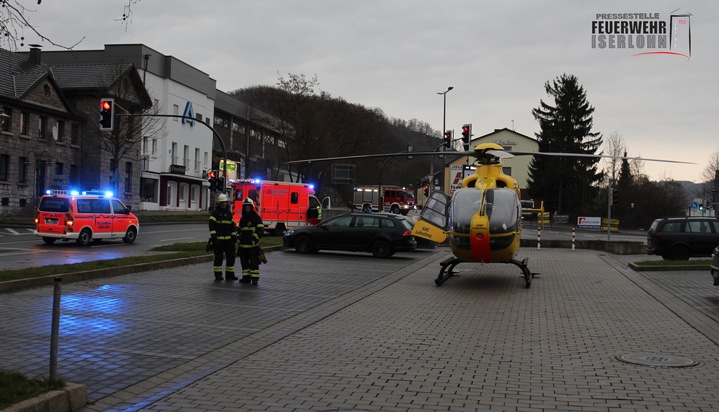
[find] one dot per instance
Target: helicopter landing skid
(448, 265)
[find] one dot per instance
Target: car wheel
(85, 237)
(303, 244)
(49, 240)
(395, 209)
(130, 235)
(382, 249)
(679, 253)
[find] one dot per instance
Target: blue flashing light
(48, 192)
(74, 193)
(257, 180)
(312, 186)
(109, 194)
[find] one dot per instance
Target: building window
(24, 123)
(60, 130)
(197, 159)
(42, 130)
(74, 134)
(6, 122)
(128, 177)
(22, 170)
(59, 169)
(4, 164)
(186, 159)
(176, 112)
(154, 147)
(174, 154)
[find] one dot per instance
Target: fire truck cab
(281, 205)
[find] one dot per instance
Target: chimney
(35, 53)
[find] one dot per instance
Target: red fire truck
(394, 199)
(281, 205)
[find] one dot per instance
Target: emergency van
(394, 199)
(84, 217)
(281, 205)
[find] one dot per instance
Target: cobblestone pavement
(350, 332)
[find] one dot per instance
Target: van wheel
(49, 240)
(679, 253)
(382, 249)
(130, 235)
(85, 237)
(395, 209)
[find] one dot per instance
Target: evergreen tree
(567, 184)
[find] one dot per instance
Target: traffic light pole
(214, 133)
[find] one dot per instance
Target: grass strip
(16, 387)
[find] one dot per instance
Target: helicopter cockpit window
(502, 209)
(465, 204)
(500, 205)
(436, 209)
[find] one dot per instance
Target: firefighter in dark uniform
(250, 230)
(223, 234)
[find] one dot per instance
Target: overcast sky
(396, 55)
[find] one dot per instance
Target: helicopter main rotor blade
(376, 155)
(557, 154)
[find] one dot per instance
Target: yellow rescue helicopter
(482, 219)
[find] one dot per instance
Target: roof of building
(18, 74)
(88, 76)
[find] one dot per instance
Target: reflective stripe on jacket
(222, 227)
(251, 230)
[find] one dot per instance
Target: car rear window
(54, 204)
(387, 223)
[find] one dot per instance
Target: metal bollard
(573, 237)
(539, 238)
(55, 328)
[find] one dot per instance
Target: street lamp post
(444, 129)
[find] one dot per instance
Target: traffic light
(426, 190)
(212, 178)
(615, 196)
(466, 135)
(448, 138)
(107, 113)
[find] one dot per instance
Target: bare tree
(15, 23)
(710, 171)
(614, 147)
(124, 142)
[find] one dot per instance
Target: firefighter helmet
(222, 198)
(248, 201)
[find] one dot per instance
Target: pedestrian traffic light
(448, 138)
(107, 113)
(466, 135)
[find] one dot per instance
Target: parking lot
(350, 332)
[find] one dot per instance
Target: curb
(658, 268)
(72, 398)
(20, 284)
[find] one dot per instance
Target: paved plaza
(353, 333)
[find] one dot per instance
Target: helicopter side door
(432, 223)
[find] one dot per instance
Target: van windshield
(54, 204)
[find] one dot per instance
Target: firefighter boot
(245, 279)
(255, 281)
(230, 276)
